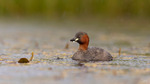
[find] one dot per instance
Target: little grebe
(86, 53)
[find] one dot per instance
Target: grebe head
(81, 38)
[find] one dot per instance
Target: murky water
(53, 64)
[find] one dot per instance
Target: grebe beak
(72, 39)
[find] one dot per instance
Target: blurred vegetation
(75, 8)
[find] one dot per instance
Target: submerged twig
(32, 56)
(67, 46)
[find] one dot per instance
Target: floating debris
(67, 46)
(25, 60)
(58, 58)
